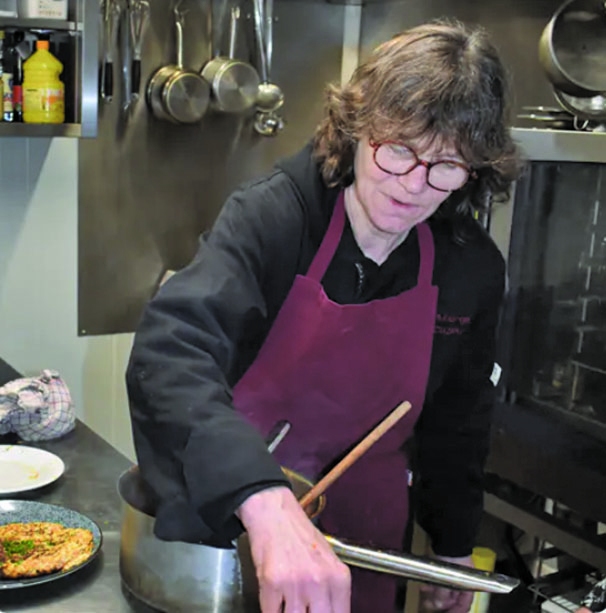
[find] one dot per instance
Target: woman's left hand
(436, 598)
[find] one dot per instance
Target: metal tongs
(138, 20)
(422, 569)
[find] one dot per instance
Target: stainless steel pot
(572, 48)
(182, 577)
(175, 93)
(234, 83)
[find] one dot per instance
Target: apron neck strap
(330, 242)
(333, 235)
(427, 253)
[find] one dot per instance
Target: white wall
(38, 284)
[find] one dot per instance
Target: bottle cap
(484, 558)
(41, 44)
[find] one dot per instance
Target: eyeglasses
(398, 159)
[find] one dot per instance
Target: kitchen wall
(38, 273)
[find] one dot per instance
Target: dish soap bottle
(43, 91)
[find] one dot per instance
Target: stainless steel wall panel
(147, 189)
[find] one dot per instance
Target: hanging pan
(175, 93)
(234, 83)
(572, 48)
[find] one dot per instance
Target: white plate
(27, 468)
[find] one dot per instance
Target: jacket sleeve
(452, 436)
(199, 458)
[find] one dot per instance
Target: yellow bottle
(43, 92)
(483, 559)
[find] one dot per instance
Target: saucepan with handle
(234, 83)
(175, 93)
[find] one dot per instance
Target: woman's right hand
(295, 565)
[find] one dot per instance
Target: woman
(350, 278)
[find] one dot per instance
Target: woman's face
(391, 205)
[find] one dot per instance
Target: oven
(546, 471)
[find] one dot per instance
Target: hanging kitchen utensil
(139, 18)
(572, 48)
(175, 93)
(269, 96)
(126, 56)
(111, 20)
(234, 83)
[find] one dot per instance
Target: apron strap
(427, 254)
(333, 235)
(330, 242)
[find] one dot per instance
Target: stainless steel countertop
(88, 485)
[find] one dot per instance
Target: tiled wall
(38, 284)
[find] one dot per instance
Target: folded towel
(37, 408)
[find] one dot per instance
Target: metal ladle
(269, 96)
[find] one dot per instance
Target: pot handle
(422, 569)
(233, 31)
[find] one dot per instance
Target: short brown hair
(441, 81)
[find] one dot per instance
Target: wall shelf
(69, 130)
(40, 24)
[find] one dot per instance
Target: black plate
(14, 511)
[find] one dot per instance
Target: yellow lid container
(483, 559)
(43, 91)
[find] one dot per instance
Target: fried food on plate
(39, 548)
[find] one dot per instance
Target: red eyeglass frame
(419, 162)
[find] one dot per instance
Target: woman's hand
(295, 565)
(436, 598)
(583, 610)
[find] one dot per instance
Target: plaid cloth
(38, 408)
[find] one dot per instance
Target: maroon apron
(334, 371)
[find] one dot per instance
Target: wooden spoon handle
(360, 449)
